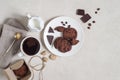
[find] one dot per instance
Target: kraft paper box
(18, 71)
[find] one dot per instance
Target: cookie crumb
(88, 27)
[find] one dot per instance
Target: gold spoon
(16, 37)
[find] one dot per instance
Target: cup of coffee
(30, 46)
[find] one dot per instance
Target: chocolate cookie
(62, 44)
(22, 71)
(57, 42)
(65, 46)
(60, 28)
(69, 33)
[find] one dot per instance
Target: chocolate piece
(98, 9)
(63, 24)
(93, 21)
(66, 22)
(80, 12)
(95, 12)
(50, 39)
(85, 18)
(50, 30)
(22, 71)
(88, 27)
(89, 24)
(69, 26)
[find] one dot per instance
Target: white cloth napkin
(7, 36)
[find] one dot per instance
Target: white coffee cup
(35, 23)
(22, 47)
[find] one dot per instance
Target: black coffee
(31, 46)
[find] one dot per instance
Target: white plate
(57, 22)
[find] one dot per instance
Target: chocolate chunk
(50, 39)
(89, 24)
(66, 22)
(61, 22)
(88, 27)
(93, 21)
(80, 12)
(98, 9)
(85, 18)
(50, 30)
(69, 26)
(95, 12)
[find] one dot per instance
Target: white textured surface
(99, 58)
